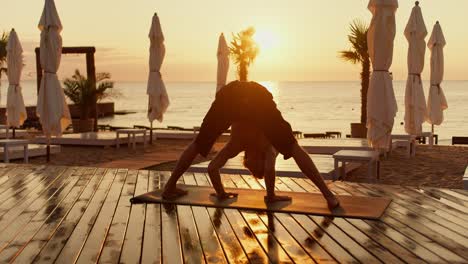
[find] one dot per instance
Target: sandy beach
(439, 166)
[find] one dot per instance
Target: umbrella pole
(151, 134)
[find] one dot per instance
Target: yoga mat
(248, 199)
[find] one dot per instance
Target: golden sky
(299, 39)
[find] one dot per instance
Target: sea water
(310, 107)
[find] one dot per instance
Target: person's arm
(270, 177)
(229, 151)
(184, 162)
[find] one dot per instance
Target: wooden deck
(76, 214)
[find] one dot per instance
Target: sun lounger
(459, 140)
(331, 146)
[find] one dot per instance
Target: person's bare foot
(173, 193)
(276, 198)
(224, 196)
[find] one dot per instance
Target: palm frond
(358, 40)
(243, 50)
(351, 56)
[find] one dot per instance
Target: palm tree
(359, 54)
(3, 53)
(244, 50)
(81, 90)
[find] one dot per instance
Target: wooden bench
(131, 135)
(334, 134)
(315, 135)
(459, 140)
(6, 143)
(409, 141)
(432, 138)
(370, 157)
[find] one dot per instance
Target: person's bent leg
(308, 167)
(270, 177)
(184, 162)
(229, 151)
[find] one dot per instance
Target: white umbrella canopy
(156, 90)
(436, 102)
(415, 101)
(15, 109)
(52, 108)
(381, 102)
(223, 62)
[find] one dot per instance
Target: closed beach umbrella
(436, 102)
(381, 102)
(415, 101)
(223, 62)
(52, 108)
(156, 90)
(15, 110)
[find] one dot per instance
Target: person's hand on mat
(225, 195)
(276, 198)
(172, 194)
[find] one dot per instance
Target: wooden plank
(453, 205)
(456, 195)
(431, 203)
(226, 235)
(304, 239)
(374, 250)
(250, 245)
(152, 249)
(95, 241)
(440, 194)
(133, 241)
(6, 173)
(411, 229)
(171, 243)
(112, 247)
(393, 240)
(270, 245)
(427, 217)
(75, 243)
(20, 181)
(14, 174)
(190, 240)
(360, 253)
(346, 236)
(59, 204)
(15, 205)
(318, 240)
(307, 203)
(294, 249)
(212, 248)
(54, 231)
(49, 198)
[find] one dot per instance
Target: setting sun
(266, 39)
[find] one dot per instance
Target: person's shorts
(261, 112)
